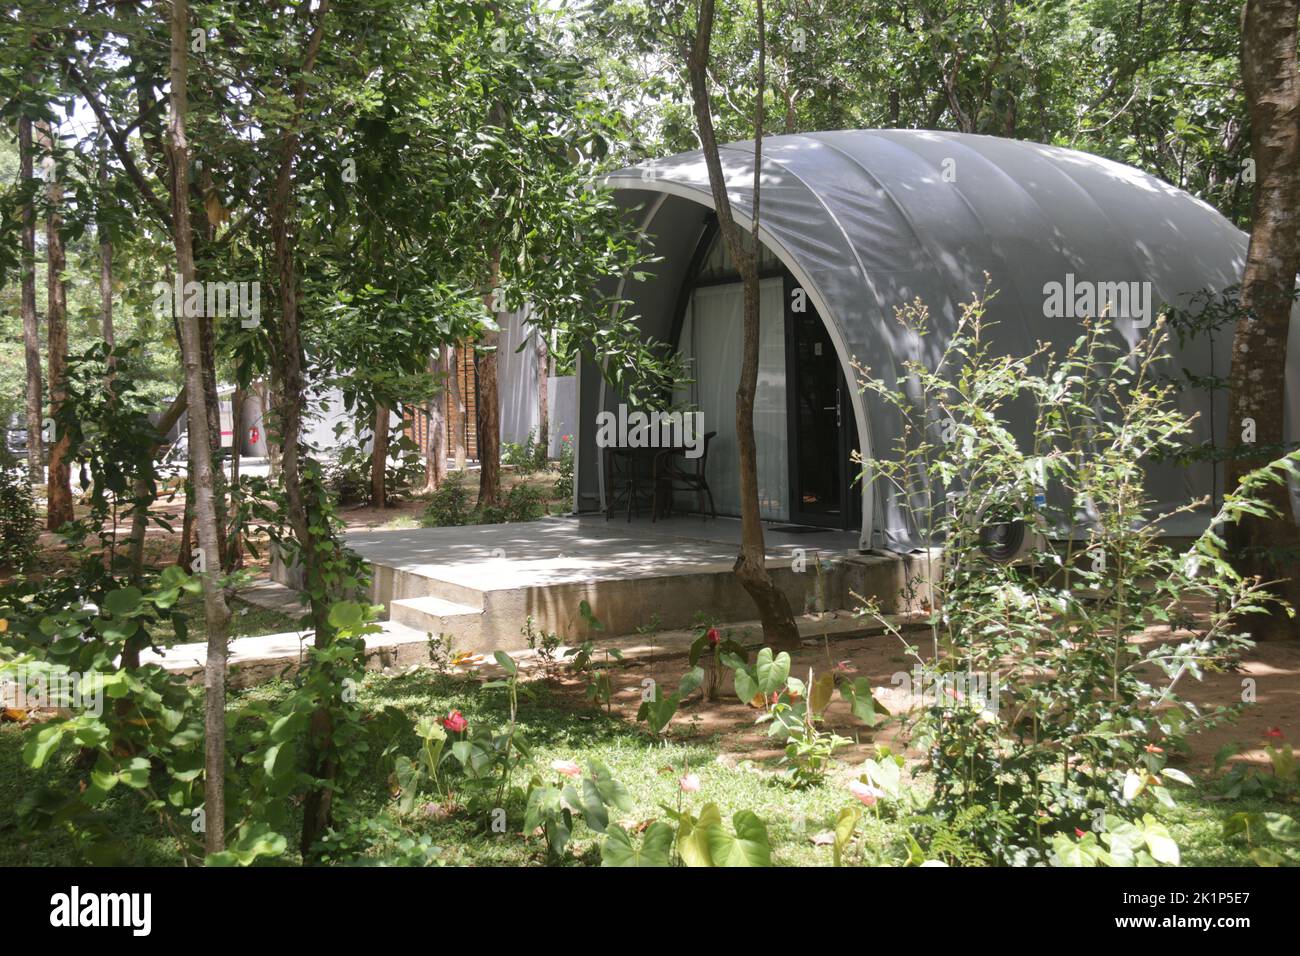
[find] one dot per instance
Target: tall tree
(488, 406)
(216, 613)
(31, 327)
(59, 481)
(1268, 547)
(435, 432)
(379, 458)
(455, 409)
(774, 610)
(105, 259)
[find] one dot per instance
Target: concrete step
(435, 615)
(253, 660)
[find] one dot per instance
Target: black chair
(623, 481)
(691, 476)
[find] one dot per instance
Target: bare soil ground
(1274, 667)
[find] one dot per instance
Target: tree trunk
(288, 382)
(488, 431)
(435, 433)
(774, 611)
(31, 328)
(456, 410)
(216, 613)
(105, 265)
(234, 551)
(59, 483)
(379, 459)
(1268, 547)
(212, 409)
(143, 496)
(543, 394)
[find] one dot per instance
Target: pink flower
(566, 767)
(455, 722)
(865, 792)
(689, 783)
(846, 667)
(1079, 833)
(713, 636)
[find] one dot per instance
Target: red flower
(455, 722)
(1079, 833)
(1274, 732)
(713, 636)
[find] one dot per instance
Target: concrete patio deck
(479, 583)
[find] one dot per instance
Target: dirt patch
(1274, 668)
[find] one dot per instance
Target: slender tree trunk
(212, 409)
(216, 613)
(143, 495)
(488, 431)
(105, 264)
(543, 394)
(234, 550)
(31, 326)
(1268, 547)
(774, 611)
(288, 381)
(435, 433)
(456, 410)
(379, 459)
(59, 483)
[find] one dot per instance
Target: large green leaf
(618, 848)
(748, 847)
(771, 672)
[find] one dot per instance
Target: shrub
(1077, 721)
(525, 458)
(564, 483)
(18, 530)
(449, 505)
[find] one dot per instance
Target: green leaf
(345, 615)
(1161, 845)
(749, 846)
(42, 744)
(771, 672)
(693, 836)
(123, 601)
(845, 823)
(507, 663)
(1282, 827)
(617, 849)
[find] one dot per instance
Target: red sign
(253, 434)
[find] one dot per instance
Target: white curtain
(711, 337)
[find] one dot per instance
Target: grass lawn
(556, 729)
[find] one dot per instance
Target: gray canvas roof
(867, 220)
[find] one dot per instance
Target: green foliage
(18, 528)
(564, 482)
(526, 458)
(1068, 723)
(449, 504)
(554, 808)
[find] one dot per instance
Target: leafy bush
(449, 504)
(18, 530)
(1075, 730)
(525, 458)
(522, 503)
(564, 483)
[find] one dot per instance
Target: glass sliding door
(711, 336)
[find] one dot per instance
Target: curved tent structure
(859, 222)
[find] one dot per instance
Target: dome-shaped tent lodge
(855, 223)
